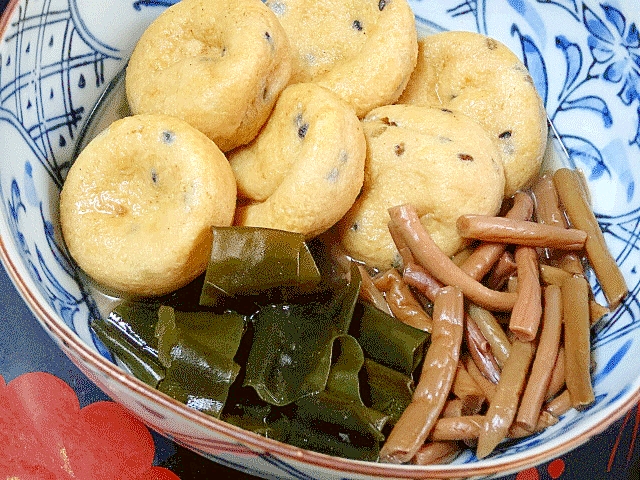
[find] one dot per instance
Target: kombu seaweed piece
(198, 350)
(387, 340)
(188, 355)
(219, 332)
(199, 377)
(142, 363)
(323, 371)
(248, 260)
(336, 421)
(386, 390)
(260, 418)
(137, 320)
(167, 334)
(347, 362)
(291, 353)
(328, 424)
(344, 384)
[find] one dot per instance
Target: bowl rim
(69, 342)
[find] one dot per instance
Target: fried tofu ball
(363, 50)
(219, 65)
(305, 169)
(440, 161)
(482, 78)
(138, 204)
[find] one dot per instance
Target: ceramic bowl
(57, 57)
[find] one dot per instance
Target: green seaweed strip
(137, 319)
(248, 260)
(198, 377)
(259, 418)
(336, 421)
(328, 423)
(316, 437)
(274, 430)
(188, 355)
(291, 352)
(344, 384)
(387, 340)
(386, 389)
(166, 333)
(142, 364)
(344, 376)
(220, 332)
(308, 271)
(197, 350)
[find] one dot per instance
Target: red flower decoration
(45, 435)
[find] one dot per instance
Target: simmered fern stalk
(295, 342)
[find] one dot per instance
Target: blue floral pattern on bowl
(58, 56)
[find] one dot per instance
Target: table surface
(26, 347)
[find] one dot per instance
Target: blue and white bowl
(58, 56)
